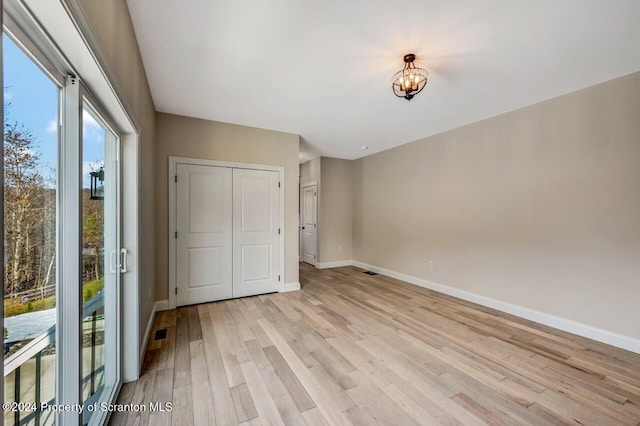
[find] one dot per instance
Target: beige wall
(113, 28)
(334, 177)
(194, 138)
(336, 216)
(310, 171)
(539, 207)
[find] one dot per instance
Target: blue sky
(33, 100)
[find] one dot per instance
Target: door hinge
(278, 277)
(176, 178)
(278, 231)
(278, 184)
(176, 235)
(315, 195)
(176, 290)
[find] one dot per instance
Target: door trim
(173, 212)
(302, 188)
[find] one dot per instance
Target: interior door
(309, 223)
(204, 235)
(256, 233)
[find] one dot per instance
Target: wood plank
(299, 394)
(270, 377)
(142, 394)
(477, 409)
(182, 413)
(203, 411)
(232, 355)
(385, 410)
(265, 406)
(182, 359)
(244, 330)
(314, 417)
(125, 396)
(288, 411)
(423, 413)
(220, 393)
(245, 408)
(195, 333)
(162, 393)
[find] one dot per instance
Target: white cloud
(52, 127)
(88, 120)
(8, 95)
(91, 128)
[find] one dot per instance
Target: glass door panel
(31, 133)
(100, 254)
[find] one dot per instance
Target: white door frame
(301, 236)
(173, 213)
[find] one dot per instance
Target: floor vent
(161, 334)
(370, 273)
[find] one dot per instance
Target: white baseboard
(336, 264)
(290, 287)
(598, 334)
(160, 305)
(145, 340)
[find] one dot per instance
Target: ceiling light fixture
(410, 80)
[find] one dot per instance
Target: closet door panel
(256, 238)
(204, 246)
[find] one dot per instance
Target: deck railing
(29, 359)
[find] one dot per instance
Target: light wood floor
(355, 349)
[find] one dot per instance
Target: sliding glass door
(63, 260)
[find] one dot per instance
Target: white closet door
(256, 239)
(204, 239)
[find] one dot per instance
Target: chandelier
(409, 81)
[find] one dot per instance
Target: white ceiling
(322, 69)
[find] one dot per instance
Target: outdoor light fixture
(97, 184)
(409, 81)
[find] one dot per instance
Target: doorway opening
(309, 223)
